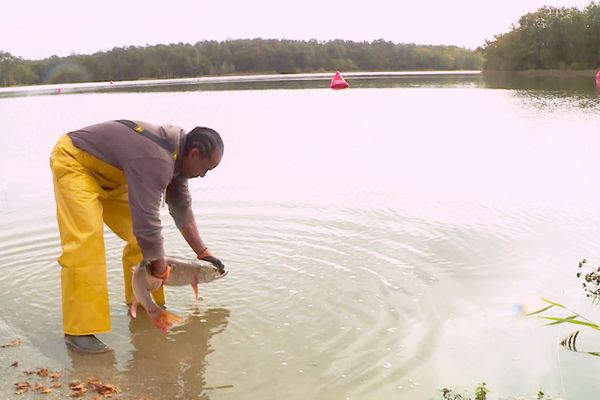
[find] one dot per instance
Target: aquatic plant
(481, 393)
(592, 282)
(540, 395)
(591, 286)
(573, 318)
(448, 394)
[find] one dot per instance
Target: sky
(40, 29)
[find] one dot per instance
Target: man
(116, 173)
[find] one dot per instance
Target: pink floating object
(338, 82)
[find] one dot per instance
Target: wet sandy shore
(18, 357)
(26, 373)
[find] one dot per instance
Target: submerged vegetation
(549, 38)
(212, 58)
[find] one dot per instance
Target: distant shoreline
(57, 88)
(533, 73)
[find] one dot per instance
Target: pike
(182, 273)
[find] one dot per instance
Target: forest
(551, 38)
(548, 39)
(243, 56)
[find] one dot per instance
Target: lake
(384, 241)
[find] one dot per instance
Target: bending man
(117, 173)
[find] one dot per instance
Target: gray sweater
(151, 171)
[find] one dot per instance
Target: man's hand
(159, 269)
(206, 255)
(216, 262)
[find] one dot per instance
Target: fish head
(208, 273)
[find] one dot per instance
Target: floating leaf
(44, 373)
(38, 387)
(13, 343)
(22, 387)
(107, 389)
(77, 389)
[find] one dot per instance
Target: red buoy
(598, 79)
(338, 82)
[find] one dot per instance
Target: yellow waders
(89, 193)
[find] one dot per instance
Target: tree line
(549, 38)
(244, 56)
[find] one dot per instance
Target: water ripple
(347, 297)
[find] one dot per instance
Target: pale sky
(34, 30)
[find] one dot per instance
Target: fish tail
(166, 320)
(133, 308)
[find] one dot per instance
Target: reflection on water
(179, 359)
(566, 83)
(161, 367)
(382, 242)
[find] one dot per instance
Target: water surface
(383, 241)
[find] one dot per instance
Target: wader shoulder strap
(162, 142)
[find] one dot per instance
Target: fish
(182, 273)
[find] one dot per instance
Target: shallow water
(383, 241)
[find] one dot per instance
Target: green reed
(591, 287)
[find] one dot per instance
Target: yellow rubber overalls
(89, 193)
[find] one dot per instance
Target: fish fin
(166, 320)
(133, 308)
(195, 288)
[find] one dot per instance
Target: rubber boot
(86, 344)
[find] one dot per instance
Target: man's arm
(191, 235)
(180, 207)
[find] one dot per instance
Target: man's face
(195, 165)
